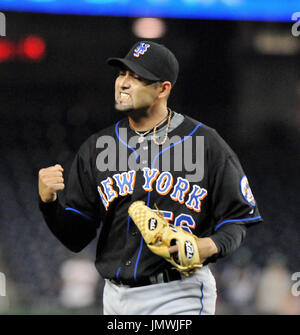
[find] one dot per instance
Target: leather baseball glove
(159, 235)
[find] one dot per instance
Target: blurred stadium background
(239, 74)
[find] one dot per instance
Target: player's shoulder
(203, 129)
(111, 130)
(90, 144)
(212, 139)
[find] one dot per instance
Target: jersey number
(183, 220)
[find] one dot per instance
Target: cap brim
(132, 66)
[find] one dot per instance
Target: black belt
(162, 277)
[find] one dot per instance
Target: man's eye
(135, 76)
(122, 73)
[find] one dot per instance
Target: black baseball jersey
(195, 179)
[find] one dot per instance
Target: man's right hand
(50, 181)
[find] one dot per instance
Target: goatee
(132, 112)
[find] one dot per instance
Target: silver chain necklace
(142, 135)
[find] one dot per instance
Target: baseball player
(167, 192)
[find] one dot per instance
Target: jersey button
(134, 233)
(128, 262)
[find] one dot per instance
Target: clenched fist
(50, 181)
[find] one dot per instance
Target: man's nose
(125, 81)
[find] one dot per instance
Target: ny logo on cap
(141, 49)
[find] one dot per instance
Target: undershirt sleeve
(227, 239)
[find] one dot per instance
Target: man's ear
(165, 89)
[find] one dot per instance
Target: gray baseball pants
(193, 295)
